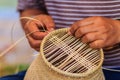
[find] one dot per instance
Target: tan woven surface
(40, 71)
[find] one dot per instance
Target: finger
(36, 24)
(90, 37)
(86, 21)
(37, 49)
(33, 26)
(73, 28)
(81, 23)
(97, 44)
(49, 23)
(86, 29)
(34, 43)
(39, 35)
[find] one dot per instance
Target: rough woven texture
(40, 71)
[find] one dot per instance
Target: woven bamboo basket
(63, 57)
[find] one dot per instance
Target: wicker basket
(63, 57)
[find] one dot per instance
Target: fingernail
(51, 29)
(69, 33)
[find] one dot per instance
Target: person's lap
(109, 75)
(112, 75)
(19, 76)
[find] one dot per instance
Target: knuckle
(99, 18)
(73, 28)
(81, 30)
(74, 25)
(110, 27)
(87, 37)
(77, 34)
(84, 39)
(104, 28)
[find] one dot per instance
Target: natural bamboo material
(22, 38)
(63, 57)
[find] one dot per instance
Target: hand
(36, 25)
(99, 32)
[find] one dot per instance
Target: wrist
(117, 43)
(118, 24)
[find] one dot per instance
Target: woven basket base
(40, 71)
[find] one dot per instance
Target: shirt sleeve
(28, 4)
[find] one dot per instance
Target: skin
(99, 32)
(31, 25)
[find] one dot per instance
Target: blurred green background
(20, 56)
(8, 9)
(8, 3)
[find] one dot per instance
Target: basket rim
(63, 72)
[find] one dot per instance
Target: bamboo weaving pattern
(69, 56)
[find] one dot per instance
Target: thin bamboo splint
(63, 57)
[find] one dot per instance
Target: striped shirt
(66, 12)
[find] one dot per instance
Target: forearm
(119, 31)
(29, 13)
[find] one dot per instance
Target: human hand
(99, 32)
(36, 25)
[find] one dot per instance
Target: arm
(99, 32)
(30, 13)
(30, 8)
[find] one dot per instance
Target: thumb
(50, 26)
